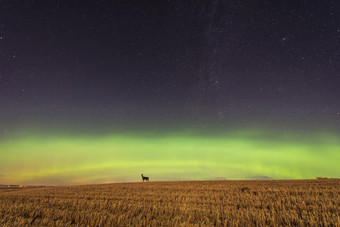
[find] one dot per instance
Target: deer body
(145, 178)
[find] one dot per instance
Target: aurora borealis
(179, 156)
(100, 91)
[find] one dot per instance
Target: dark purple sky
(102, 65)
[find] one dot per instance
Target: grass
(196, 203)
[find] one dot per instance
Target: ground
(191, 203)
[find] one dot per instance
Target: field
(196, 203)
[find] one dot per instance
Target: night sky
(102, 91)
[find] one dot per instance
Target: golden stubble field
(196, 203)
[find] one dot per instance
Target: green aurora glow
(57, 160)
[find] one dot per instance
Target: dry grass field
(197, 203)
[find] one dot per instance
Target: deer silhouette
(145, 178)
